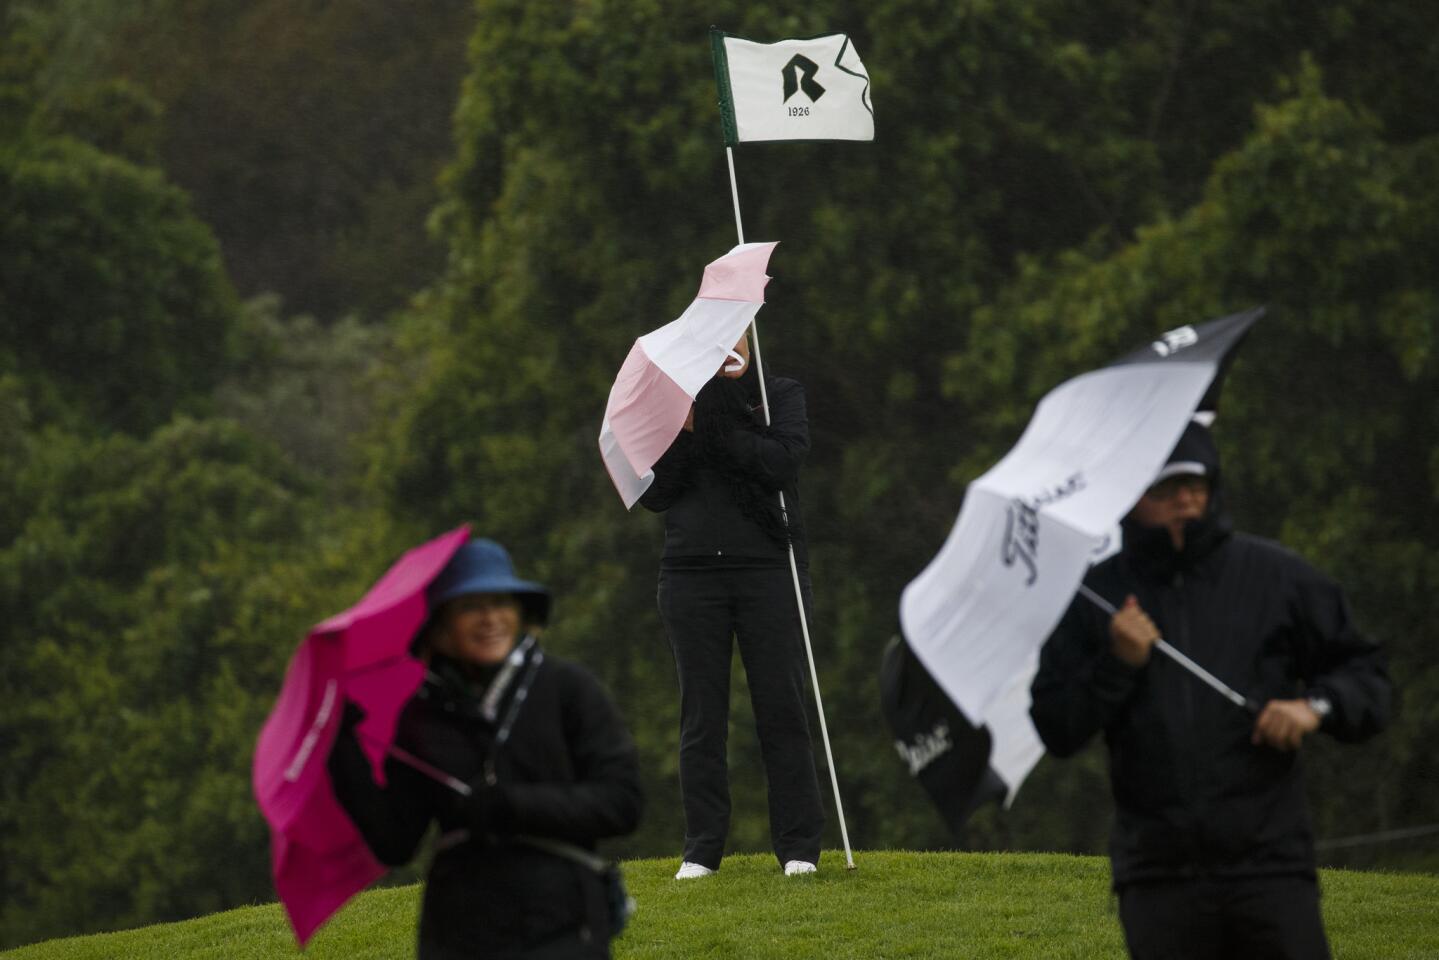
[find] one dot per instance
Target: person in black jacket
(1211, 850)
(725, 574)
(549, 763)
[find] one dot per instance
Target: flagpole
(793, 565)
(804, 626)
(734, 195)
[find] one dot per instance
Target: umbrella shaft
(1230, 694)
(420, 766)
(1163, 646)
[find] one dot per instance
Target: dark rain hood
(1149, 548)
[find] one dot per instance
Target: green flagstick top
(726, 94)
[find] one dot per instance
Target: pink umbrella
(319, 860)
(667, 367)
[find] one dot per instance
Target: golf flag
(813, 89)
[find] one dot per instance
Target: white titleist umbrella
(1031, 525)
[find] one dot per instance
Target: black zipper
(1191, 726)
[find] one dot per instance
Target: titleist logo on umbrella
(1021, 527)
(927, 748)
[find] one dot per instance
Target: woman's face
(479, 628)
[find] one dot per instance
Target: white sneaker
(688, 871)
(796, 867)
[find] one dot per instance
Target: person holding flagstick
(666, 390)
(723, 582)
(809, 89)
(719, 454)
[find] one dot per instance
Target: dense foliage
(155, 558)
(192, 481)
(310, 136)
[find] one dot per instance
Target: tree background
(286, 288)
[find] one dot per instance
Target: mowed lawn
(896, 904)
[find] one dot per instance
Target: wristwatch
(1321, 705)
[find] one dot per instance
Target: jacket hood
(1195, 453)
(1150, 548)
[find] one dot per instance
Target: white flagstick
(793, 566)
(804, 626)
(734, 193)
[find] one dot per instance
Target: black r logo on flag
(793, 81)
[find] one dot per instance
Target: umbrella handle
(739, 361)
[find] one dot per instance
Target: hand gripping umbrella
(317, 856)
(977, 616)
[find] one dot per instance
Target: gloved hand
(486, 811)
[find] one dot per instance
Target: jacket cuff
(1321, 701)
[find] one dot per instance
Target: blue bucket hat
(483, 566)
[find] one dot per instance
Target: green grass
(896, 905)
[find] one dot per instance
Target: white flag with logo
(813, 89)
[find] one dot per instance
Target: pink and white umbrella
(666, 368)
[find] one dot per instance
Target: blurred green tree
(155, 568)
(131, 584)
(310, 136)
(114, 307)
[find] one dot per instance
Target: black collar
(1150, 551)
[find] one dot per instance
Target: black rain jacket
(703, 521)
(569, 771)
(1193, 796)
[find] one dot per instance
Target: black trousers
(702, 611)
(569, 946)
(1258, 918)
